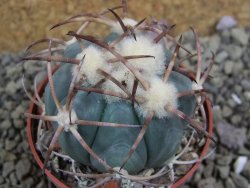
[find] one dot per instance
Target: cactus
(122, 101)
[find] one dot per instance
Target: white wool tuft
(197, 86)
(74, 71)
(94, 59)
(159, 94)
(63, 119)
(116, 28)
(143, 45)
(125, 77)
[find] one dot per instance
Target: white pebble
(240, 164)
(236, 98)
(226, 22)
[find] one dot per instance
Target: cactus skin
(160, 143)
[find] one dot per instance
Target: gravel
(230, 93)
(237, 136)
(18, 167)
(239, 181)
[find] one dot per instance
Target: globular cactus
(121, 101)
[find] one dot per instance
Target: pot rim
(61, 184)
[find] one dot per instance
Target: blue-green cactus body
(121, 139)
(168, 131)
(159, 144)
(83, 103)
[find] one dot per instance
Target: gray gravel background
(17, 166)
(230, 92)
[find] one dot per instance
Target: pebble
(229, 183)
(1, 144)
(236, 119)
(187, 37)
(244, 151)
(206, 183)
(41, 184)
(23, 168)
(220, 57)
(196, 177)
(217, 113)
(20, 109)
(28, 182)
(208, 169)
(1, 180)
(15, 115)
(18, 124)
(239, 180)
(246, 170)
(238, 89)
(226, 111)
(248, 135)
(11, 88)
(242, 108)
(246, 57)
(235, 97)
(11, 133)
(215, 70)
(6, 156)
(231, 103)
(4, 114)
(13, 179)
(247, 95)
(235, 52)
(226, 37)
(237, 135)
(228, 67)
(6, 124)
(224, 160)
(8, 167)
(240, 36)
(226, 22)
(214, 43)
(245, 83)
(239, 164)
(219, 184)
(218, 81)
(5, 58)
(10, 145)
(12, 71)
(223, 171)
(238, 67)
